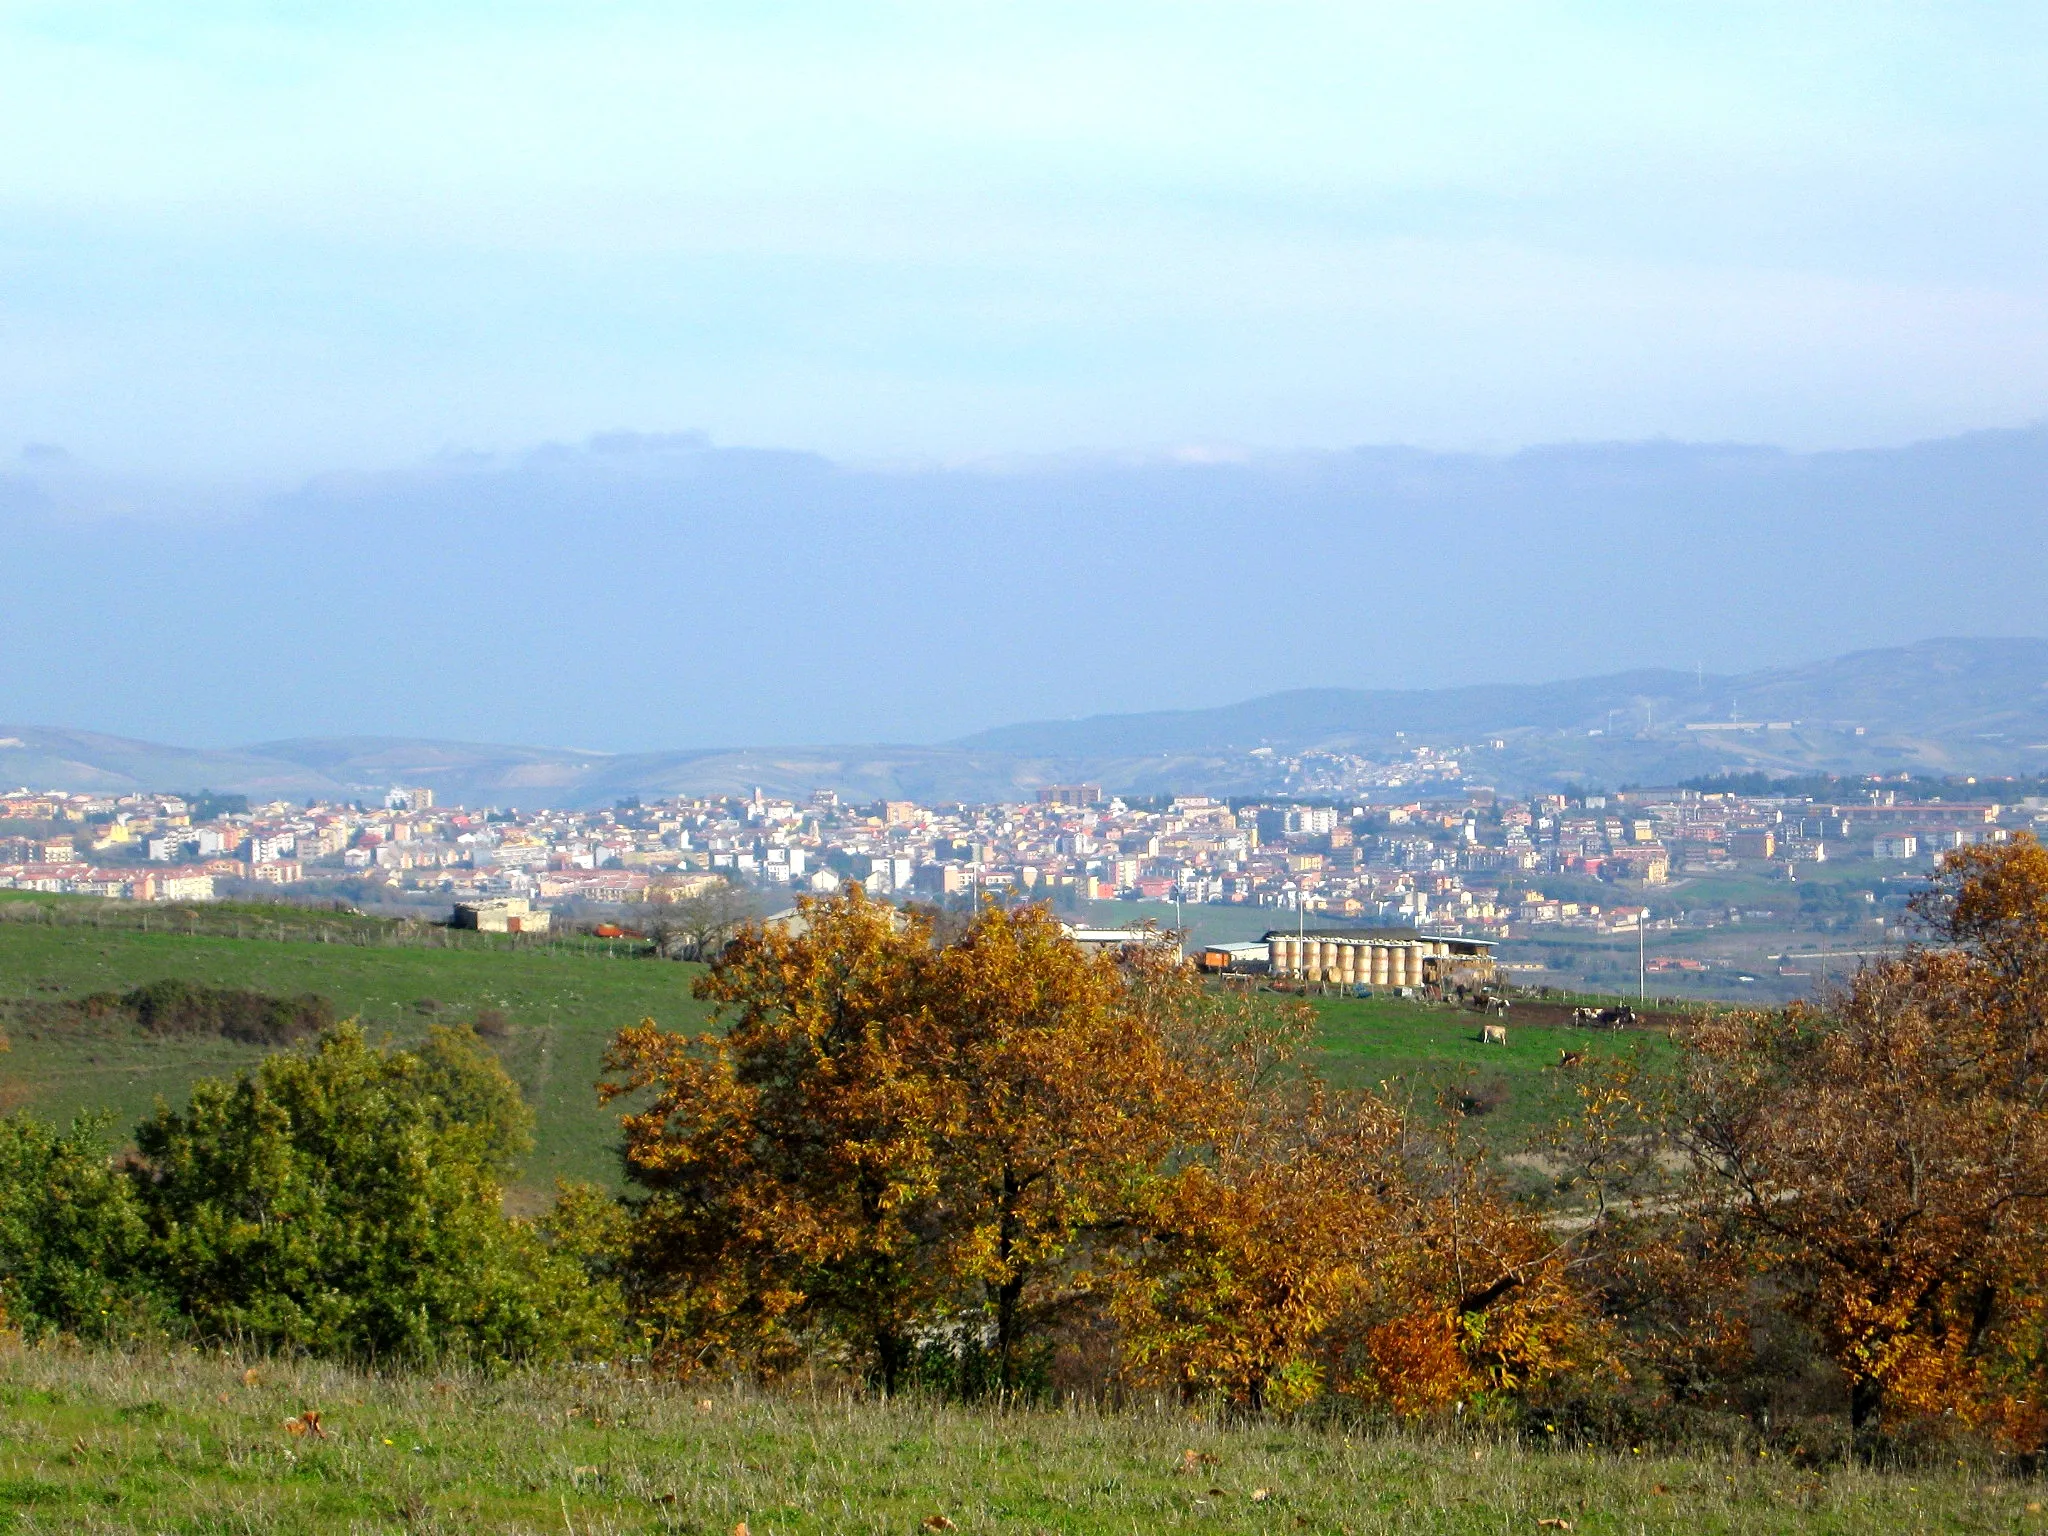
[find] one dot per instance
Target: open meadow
(205, 1442)
(558, 1006)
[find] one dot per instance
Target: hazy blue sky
(283, 237)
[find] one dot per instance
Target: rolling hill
(1941, 706)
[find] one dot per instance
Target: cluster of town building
(1463, 861)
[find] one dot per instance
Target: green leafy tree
(348, 1202)
(72, 1234)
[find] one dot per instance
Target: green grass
(1366, 1041)
(182, 1443)
(563, 1005)
(563, 1002)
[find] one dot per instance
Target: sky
(261, 242)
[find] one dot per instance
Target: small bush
(255, 1018)
(1485, 1096)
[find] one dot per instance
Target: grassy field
(199, 1443)
(562, 1004)
(1369, 1040)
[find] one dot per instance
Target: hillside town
(1461, 860)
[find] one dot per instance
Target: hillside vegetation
(559, 1004)
(987, 1167)
(547, 1010)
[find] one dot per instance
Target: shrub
(347, 1202)
(173, 1007)
(71, 1234)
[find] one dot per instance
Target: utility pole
(1642, 956)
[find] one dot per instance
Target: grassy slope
(1368, 1040)
(182, 1443)
(563, 1007)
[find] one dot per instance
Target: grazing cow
(1566, 1060)
(1623, 1017)
(1586, 1016)
(1493, 1034)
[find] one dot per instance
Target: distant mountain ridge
(1941, 706)
(1942, 687)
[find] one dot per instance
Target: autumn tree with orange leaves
(1314, 1244)
(1060, 1104)
(889, 1139)
(895, 1143)
(1883, 1158)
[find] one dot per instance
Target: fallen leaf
(741, 1529)
(251, 1376)
(1659, 1488)
(583, 1471)
(1260, 1495)
(2033, 1506)
(939, 1523)
(1219, 1493)
(704, 1406)
(1552, 1523)
(1193, 1460)
(307, 1423)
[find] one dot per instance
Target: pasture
(560, 1004)
(192, 1442)
(1422, 1048)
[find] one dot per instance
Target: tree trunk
(1009, 1297)
(892, 1354)
(1866, 1402)
(1010, 1293)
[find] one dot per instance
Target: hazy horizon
(649, 592)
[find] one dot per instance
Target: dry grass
(199, 1442)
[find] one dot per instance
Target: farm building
(1116, 940)
(499, 914)
(1378, 957)
(1236, 957)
